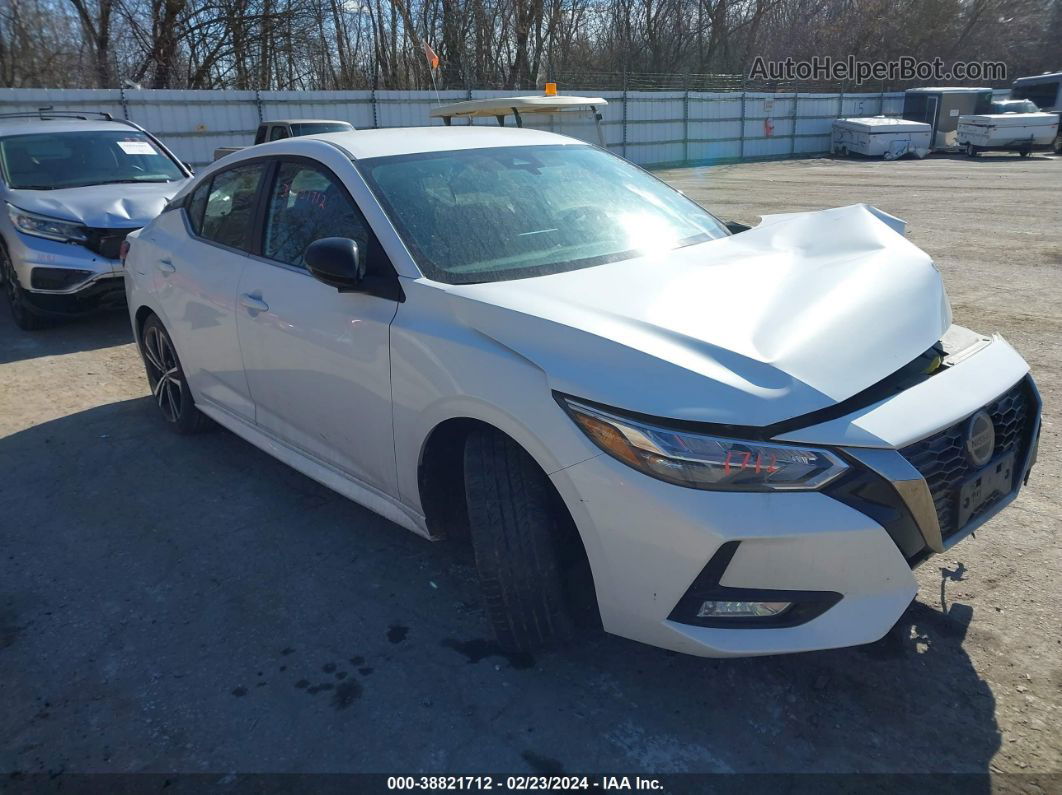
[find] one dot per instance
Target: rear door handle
(166, 266)
(253, 303)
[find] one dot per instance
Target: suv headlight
(700, 461)
(43, 226)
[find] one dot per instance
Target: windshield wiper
(33, 187)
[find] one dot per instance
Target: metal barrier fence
(652, 128)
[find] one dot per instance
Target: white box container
(881, 136)
(1013, 132)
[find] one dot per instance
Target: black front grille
(106, 242)
(942, 460)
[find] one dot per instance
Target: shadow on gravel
(103, 330)
(188, 603)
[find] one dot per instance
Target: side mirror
(336, 261)
(736, 227)
(189, 167)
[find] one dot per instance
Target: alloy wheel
(164, 373)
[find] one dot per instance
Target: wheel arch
(140, 318)
(440, 479)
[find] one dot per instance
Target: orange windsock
(429, 53)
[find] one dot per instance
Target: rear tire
(21, 311)
(169, 387)
(514, 528)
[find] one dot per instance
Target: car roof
(363, 144)
(306, 121)
(28, 126)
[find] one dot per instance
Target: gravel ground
(190, 604)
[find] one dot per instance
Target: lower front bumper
(107, 292)
(647, 541)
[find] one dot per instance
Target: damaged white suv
(745, 441)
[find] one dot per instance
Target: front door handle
(166, 266)
(253, 303)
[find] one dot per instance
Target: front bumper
(651, 544)
(64, 278)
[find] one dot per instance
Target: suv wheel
(22, 313)
(166, 378)
(514, 529)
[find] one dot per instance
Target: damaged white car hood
(114, 206)
(799, 313)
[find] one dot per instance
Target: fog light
(713, 609)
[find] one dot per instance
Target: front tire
(21, 311)
(971, 150)
(169, 387)
(514, 528)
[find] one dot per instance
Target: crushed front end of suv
(73, 187)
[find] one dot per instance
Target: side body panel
(318, 368)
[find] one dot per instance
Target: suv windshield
(47, 161)
(480, 215)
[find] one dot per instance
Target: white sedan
(722, 444)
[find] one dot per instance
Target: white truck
(288, 128)
(1006, 132)
(881, 136)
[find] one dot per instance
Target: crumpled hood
(803, 311)
(103, 206)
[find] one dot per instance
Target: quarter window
(196, 204)
(307, 204)
(229, 212)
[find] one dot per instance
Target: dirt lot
(190, 604)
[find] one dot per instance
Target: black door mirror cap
(336, 261)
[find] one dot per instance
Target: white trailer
(1007, 132)
(881, 136)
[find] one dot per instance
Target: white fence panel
(649, 127)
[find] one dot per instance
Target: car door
(317, 360)
(197, 283)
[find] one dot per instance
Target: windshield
(314, 128)
(1014, 106)
(47, 161)
(479, 215)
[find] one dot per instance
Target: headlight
(43, 226)
(699, 461)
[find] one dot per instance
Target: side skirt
(315, 469)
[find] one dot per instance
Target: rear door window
(230, 204)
